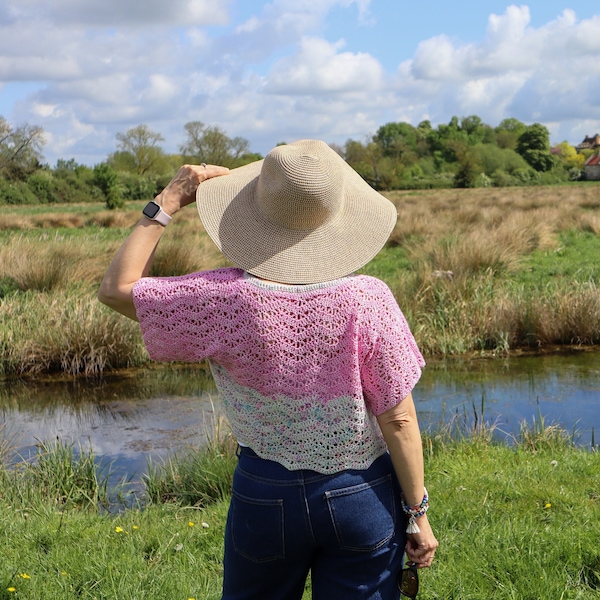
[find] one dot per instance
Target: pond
(553, 389)
(130, 417)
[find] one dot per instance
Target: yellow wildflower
(548, 505)
(191, 523)
(119, 529)
(24, 576)
(11, 589)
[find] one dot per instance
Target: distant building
(592, 168)
(589, 143)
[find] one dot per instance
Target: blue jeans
(347, 529)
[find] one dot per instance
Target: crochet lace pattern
(302, 370)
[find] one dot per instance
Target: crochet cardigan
(302, 370)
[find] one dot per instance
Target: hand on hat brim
(181, 190)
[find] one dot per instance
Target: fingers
(422, 561)
(181, 190)
(208, 171)
(423, 553)
(194, 175)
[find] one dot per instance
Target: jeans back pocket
(257, 528)
(364, 515)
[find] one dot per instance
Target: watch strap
(153, 210)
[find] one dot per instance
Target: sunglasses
(408, 581)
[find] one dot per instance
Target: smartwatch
(154, 211)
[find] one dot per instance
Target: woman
(315, 367)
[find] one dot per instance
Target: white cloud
(162, 88)
(318, 68)
(275, 74)
(510, 45)
(132, 13)
(546, 74)
(44, 110)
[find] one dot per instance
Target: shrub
(42, 184)
(16, 192)
(106, 178)
(135, 187)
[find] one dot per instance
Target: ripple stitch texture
(303, 370)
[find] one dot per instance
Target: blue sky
(286, 69)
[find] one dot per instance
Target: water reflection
(558, 389)
(131, 416)
(125, 418)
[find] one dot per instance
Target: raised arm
(400, 429)
(134, 258)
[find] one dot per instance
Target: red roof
(593, 160)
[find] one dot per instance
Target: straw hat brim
(340, 246)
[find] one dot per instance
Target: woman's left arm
(400, 428)
(134, 258)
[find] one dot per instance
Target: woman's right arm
(400, 429)
(134, 258)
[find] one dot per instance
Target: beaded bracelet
(413, 512)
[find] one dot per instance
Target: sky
(280, 70)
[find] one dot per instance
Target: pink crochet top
(302, 370)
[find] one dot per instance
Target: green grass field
(517, 522)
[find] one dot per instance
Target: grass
(574, 259)
(196, 478)
(66, 331)
(515, 521)
(484, 271)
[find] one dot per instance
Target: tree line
(137, 170)
(463, 153)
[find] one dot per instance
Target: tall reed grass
(66, 331)
(59, 473)
(50, 262)
(474, 271)
(196, 478)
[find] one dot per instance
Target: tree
(569, 156)
(106, 178)
(494, 159)
(139, 147)
(508, 132)
(397, 140)
(20, 149)
(212, 145)
(446, 138)
(534, 146)
(469, 165)
(475, 129)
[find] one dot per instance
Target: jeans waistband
(246, 451)
(270, 469)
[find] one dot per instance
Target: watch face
(151, 210)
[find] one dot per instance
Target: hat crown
(300, 187)
(300, 215)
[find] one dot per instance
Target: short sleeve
(392, 361)
(177, 314)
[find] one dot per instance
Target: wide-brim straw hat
(300, 215)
